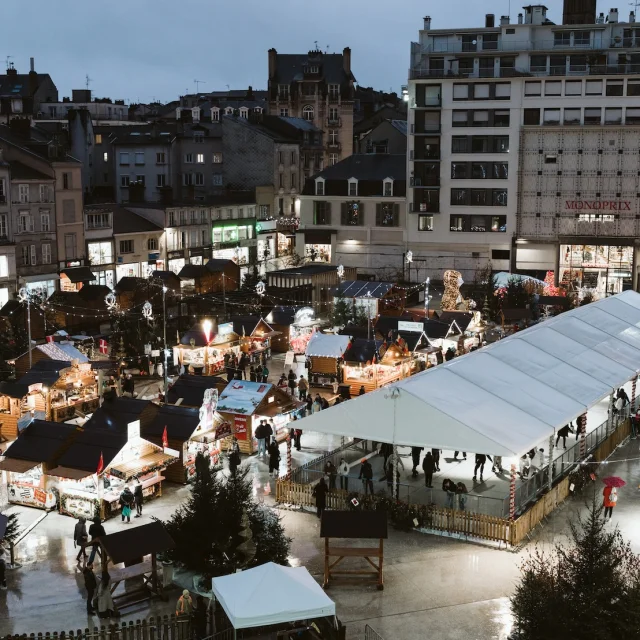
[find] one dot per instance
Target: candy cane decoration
(288, 476)
(582, 421)
(633, 393)
(512, 493)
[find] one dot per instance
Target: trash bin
(167, 573)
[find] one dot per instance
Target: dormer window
(387, 185)
(244, 112)
(257, 110)
(319, 186)
(228, 111)
(215, 114)
(195, 114)
(312, 68)
(353, 187)
(178, 113)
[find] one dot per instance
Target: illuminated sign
(598, 205)
(413, 327)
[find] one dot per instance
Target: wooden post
(551, 446)
(154, 573)
(512, 493)
(380, 559)
(582, 421)
(326, 563)
(610, 415)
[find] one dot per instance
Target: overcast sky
(139, 50)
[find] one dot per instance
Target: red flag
(49, 338)
(103, 347)
(165, 438)
(100, 465)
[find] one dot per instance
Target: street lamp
(164, 344)
(207, 325)
(24, 295)
(426, 298)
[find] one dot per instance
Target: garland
(64, 498)
(147, 469)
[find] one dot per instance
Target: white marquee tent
(505, 398)
(271, 594)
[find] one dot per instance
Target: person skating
(610, 500)
(497, 464)
(90, 584)
(317, 404)
(455, 455)
(260, 436)
(481, 459)
(252, 374)
(274, 459)
(303, 387)
(268, 432)
(126, 502)
(449, 486)
(385, 451)
(343, 472)
(309, 405)
(282, 382)
(320, 494)
(138, 498)
(80, 537)
(234, 457)
(436, 458)
(564, 434)
(297, 434)
(415, 458)
(331, 470)
(366, 475)
(428, 466)
(184, 605)
(200, 618)
(362, 391)
(291, 382)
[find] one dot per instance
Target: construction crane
(198, 83)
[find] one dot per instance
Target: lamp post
(25, 296)
(426, 298)
(409, 258)
(164, 336)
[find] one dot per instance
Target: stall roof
(180, 422)
(436, 329)
(283, 316)
(509, 396)
(61, 351)
(41, 441)
(137, 542)
(384, 324)
(327, 345)
(362, 289)
(191, 389)
(362, 350)
(78, 274)
(244, 325)
(114, 415)
(170, 279)
(16, 465)
(300, 597)
(462, 318)
(197, 333)
(412, 338)
(45, 371)
(243, 396)
(192, 271)
(83, 455)
(355, 332)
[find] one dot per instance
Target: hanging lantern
(261, 288)
(409, 257)
(110, 301)
(340, 271)
(147, 310)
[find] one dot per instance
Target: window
(183, 218)
(532, 116)
(215, 114)
(187, 179)
(573, 88)
(124, 158)
(459, 197)
(292, 158)
(284, 112)
(503, 90)
(572, 116)
(217, 158)
(425, 223)
(308, 112)
(44, 222)
(632, 115)
(293, 181)
(46, 254)
(499, 197)
(481, 91)
(4, 268)
(281, 181)
(594, 88)
(501, 118)
(34, 256)
(490, 41)
(124, 181)
(152, 244)
(480, 170)
(533, 88)
(460, 91)
(333, 115)
(501, 144)
(140, 180)
(633, 87)
(581, 38)
(334, 91)
(160, 158)
(469, 42)
(459, 118)
(105, 157)
(500, 254)
(333, 137)
(70, 246)
(321, 212)
(592, 115)
(283, 90)
(459, 144)
(4, 228)
(500, 170)
(319, 187)
(353, 188)
(217, 179)
(3, 193)
(480, 197)
(126, 246)
(387, 214)
(23, 193)
(615, 87)
(459, 170)
(486, 68)
(25, 254)
(44, 193)
(98, 220)
(553, 88)
(244, 112)
(68, 211)
(352, 214)
(161, 180)
(562, 39)
(98, 138)
(550, 158)
(613, 115)
(458, 223)
(188, 158)
(551, 116)
(25, 223)
(199, 179)
(139, 157)
(387, 188)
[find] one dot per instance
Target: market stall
(296, 326)
(255, 337)
(325, 356)
(27, 461)
(203, 352)
(243, 404)
(75, 391)
(189, 391)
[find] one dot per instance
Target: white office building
(524, 147)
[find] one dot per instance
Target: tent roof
(327, 345)
(507, 397)
(300, 597)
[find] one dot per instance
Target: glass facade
(606, 269)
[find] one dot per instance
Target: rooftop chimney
(579, 12)
(504, 20)
(489, 21)
(346, 60)
(519, 18)
(272, 63)
(427, 23)
(632, 17)
(32, 67)
(600, 19)
(613, 15)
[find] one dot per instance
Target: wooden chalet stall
(376, 298)
(204, 354)
(217, 276)
(244, 403)
(325, 357)
(27, 461)
(82, 310)
(108, 454)
(74, 278)
(295, 325)
(255, 337)
(61, 351)
(189, 391)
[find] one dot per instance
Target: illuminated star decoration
(261, 288)
(409, 257)
(110, 301)
(147, 310)
(23, 294)
(340, 271)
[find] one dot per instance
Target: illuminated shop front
(603, 269)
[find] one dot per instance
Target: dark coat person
(415, 458)
(428, 466)
(320, 494)
(90, 584)
(366, 475)
(274, 458)
(138, 499)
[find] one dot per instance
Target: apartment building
(98, 108)
(523, 146)
(318, 87)
(354, 213)
(7, 246)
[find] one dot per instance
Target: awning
(78, 274)
(69, 473)
(40, 278)
(133, 468)
(16, 465)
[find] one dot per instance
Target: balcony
(335, 145)
(425, 181)
(425, 128)
(425, 201)
(334, 122)
(520, 45)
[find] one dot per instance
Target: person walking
(455, 455)
(366, 475)
(274, 458)
(252, 373)
(297, 434)
(461, 492)
(265, 373)
(317, 404)
(126, 502)
(610, 500)
(436, 458)
(200, 618)
(291, 378)
(428, 466)
(184, 606)
(303, 387)
(415, 458)
(331, 470)
(320, 494)
(385, 451)
(481, 459)
(90, 584)
(106, 607)
(497, 464)
(138, 498)
(564, 433)
(96, 531)
(261, 436)
(234, 457)
(80, 537)
(309, 405)
(362, 390)
(3, 570)
(343, 472)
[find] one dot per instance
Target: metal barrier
(23, 535)
(370, 634)
(305, 473)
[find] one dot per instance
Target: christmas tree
(342, 312)
(589, 589)
(220, 528)
(12, 530)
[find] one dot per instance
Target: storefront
(324, 354)
(176, 261)
(596, 268)
(244, 403)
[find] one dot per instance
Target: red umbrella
(614, 481)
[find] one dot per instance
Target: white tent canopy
(271, 594)
(509, 396)
(327, 345)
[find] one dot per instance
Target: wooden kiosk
(350, 525)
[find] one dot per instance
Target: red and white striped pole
(512, 493)
(288, 476)
(582, 420)
(633, 393)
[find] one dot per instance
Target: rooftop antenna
(635, 5)
(327, 49)
(87, 81)
(228, 87)
(198, 83)
(8, 63)
(315, 44)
